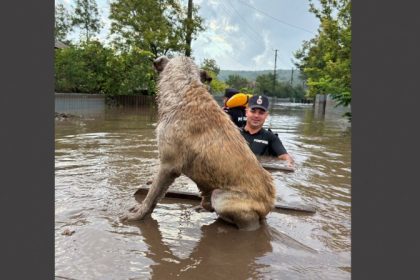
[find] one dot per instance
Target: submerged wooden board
(194, 196)
(274, 166)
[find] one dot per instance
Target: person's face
(256, 117)
(225, 99)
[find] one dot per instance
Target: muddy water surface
(102, 159)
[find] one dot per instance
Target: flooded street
(102, 159)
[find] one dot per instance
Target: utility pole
(275, 66)
(188, 36)
(291, 78)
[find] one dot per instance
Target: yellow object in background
(239, 99)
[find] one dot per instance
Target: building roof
(60, 45)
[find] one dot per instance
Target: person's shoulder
(265, 131)
(271, 134)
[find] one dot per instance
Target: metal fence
(325, 104)
(131, 100)
(79, 103)
(91, 104)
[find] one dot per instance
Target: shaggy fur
(196, 138)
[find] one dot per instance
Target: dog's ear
(205, 77)
(160, 63)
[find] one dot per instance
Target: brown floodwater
(101, 160)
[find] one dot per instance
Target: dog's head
(205, 77)
(161, 62)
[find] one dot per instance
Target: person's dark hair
(229, 92)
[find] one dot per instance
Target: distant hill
(282, 75)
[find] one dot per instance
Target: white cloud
(250, 36)
(240, 37)
(213, 3)
(260, 60)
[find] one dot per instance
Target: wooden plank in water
(274, 166)
(171, 194)
(194, 196)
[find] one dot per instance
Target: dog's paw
(124, 218)
(135, 208)
(135, 213)
(199, 209)
(131, 217)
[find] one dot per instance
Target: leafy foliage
(238, 82)
(93, 68)
(142, 30)
(281, 74)
(264, 85)
(158, 26)
(69, 70)
(210, 65)
(86, 17)
(131, 73)
(62, 24)
(216, 86)
(326, 59)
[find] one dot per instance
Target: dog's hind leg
(235, 208)
(206, 200)
(160, 185)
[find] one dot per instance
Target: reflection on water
(102, 160)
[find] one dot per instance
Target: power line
(242, 18)
(245, 31)
(228, 56)
(228, 11)
(276, 19)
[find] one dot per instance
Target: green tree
(216, 86)
(264, 84)
(130, 73)
(238, 82)
(69, 74)
(325, 60)
(298, 92)
(83, 68)
(158, 26)
(62, 24)
(210, 64)
(86, 17)
(92, 68)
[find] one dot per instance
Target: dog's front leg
(160, 185)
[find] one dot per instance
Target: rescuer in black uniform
(261, 141)
(237, 114)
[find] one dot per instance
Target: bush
(93, 68)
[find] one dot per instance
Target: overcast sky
(244, 34)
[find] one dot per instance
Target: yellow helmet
(239, 99)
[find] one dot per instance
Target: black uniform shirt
(237, 114)
(264, 143)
